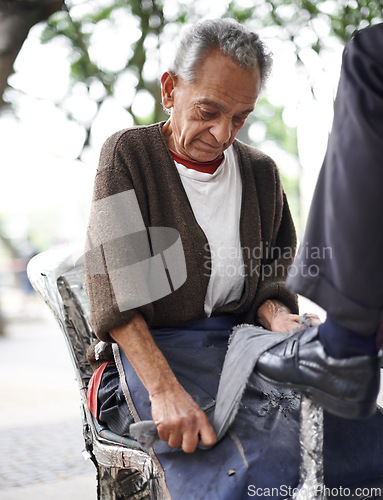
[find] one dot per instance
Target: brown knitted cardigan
(138, 158)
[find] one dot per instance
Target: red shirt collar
(208, 167)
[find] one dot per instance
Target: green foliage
(276, 129)
(79, 32)
(240, 14)
(151, 17)
(270, 118)
(356, 15)
(79, 23)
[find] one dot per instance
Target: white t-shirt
(216, 203)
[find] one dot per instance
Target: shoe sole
(338, 407)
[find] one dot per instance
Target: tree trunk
(16, 19)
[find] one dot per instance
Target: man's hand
(180, 421)
(287, 323)
(276, 317)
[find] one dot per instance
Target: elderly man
(225, 202)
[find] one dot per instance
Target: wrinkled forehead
(217, 64)
(218, 75)
(215, 55)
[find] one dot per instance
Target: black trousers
(340, 262)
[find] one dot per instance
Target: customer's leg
(340, 265)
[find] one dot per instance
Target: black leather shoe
(345, 387)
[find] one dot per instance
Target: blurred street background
(41, 440)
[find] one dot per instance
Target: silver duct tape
(121, 457)
(99, 349)
(311, 441)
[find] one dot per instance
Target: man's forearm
(146, 358)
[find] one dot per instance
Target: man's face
(207, 114)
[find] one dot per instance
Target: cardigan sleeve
(116, 238)
(274, 269)
(278, 255)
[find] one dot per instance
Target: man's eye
(206, 115)
(239, 121)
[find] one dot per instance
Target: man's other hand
(180, 421)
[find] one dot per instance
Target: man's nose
(221, 131)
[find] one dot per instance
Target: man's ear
(168, 83)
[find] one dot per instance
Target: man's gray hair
(227, 35)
